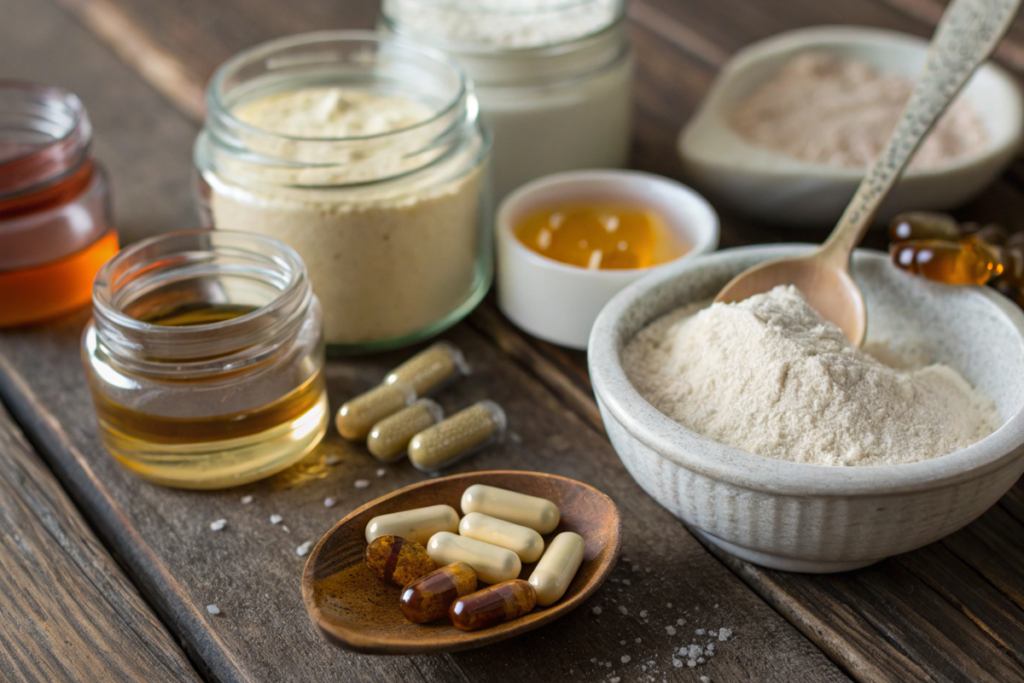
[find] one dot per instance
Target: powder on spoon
(769, 376)
(825, 110)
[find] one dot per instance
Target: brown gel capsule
(500, 603)
(398, 561)
(429, 597)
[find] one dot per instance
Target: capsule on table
(539, 514)
(964, 262)
(418, 524)
(429, 597)
(913, 225)
(431, 369)
(460, 435)
(491, 563)
(523, 541)
(493, 605)
(356, 417)
(397, 560)
(553, 574)
(390, 437)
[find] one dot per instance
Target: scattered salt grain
(332, 460)
(680, 621)
(694, 651)
(593, 660)
(638, 640)
(213, 609)
(691, 663)
(381, 472)
(713, 633)
(699, 632)
(622, 608)
(275, 519)
(286, 529)
(671, 630)
(596, 610)
(608, 664)
(711, 648)
(614, 679)
(701, 660)
(643, 614)
(668, 604)
(622, 642)
(303, 549)
(362, 483)
(329, 502)
(677, 662)
(625, 659)
(625, 582)
(246, 500)
(724, 634)
(705, 679)
(218, 525)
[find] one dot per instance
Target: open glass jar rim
(200, 267)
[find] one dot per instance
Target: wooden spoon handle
(967, 34)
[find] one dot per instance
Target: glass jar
(205, 359)
(55, 224)
(394, 224)
(554, 77)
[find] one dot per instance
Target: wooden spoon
(355, 610)
(967, 34)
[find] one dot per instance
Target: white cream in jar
(553, 77)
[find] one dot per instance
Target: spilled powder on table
(769, 376)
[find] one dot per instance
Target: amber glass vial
(55, 224)
(205, 359)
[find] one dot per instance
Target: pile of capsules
(395, 419)
(939, 248)
(438, 560)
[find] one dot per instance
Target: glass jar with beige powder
(365, 154)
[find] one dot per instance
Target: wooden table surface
(106, 578)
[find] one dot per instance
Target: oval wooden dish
(355, 610)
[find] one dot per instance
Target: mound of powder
(769, 376)
(826, 110)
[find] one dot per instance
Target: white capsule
(539, 514)
(555, 570)
(417, 525)
(491, 563)
(523, 541)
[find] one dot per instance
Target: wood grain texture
(69, 613)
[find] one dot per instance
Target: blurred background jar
(553, 77)
(55, 220)
(365, 154)
(205, 359)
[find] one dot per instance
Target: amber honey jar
(55, 222)
(205, 359)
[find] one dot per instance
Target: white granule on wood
(705, 679)
(329, 502)
(826, 110)
(332, 460)
(671, 630)
(769, 376)
(643, 614)
(596, 610)
(303, 549)
(218, 525)
(724, 634)
(699, 632)
(246, 500)
(625, 659)
(625, 582)
(622, 608)
(381, 472)
(362, 483)
(213, 609)
(275, 519)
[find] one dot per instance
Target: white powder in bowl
(387, 258)
(769, 376)
(825, 110)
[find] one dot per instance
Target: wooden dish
(355, 610)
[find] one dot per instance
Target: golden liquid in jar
(601, 236)
(221, 450)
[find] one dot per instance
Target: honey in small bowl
(600, 236)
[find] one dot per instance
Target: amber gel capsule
(431, 369)
(390, 437)
(539, 514)
(553, 574)
(429, 597)
(356, 417)
(398, 561)
(461, 434)
(494, 605)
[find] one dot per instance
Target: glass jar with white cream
(553, 77)
(365, 154)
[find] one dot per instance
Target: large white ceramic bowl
(787, 192)
(810, 518)
(559, 302)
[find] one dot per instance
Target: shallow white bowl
(810, 518)
(559, 302)
(784, 191)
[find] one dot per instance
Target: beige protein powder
(769, 376)
(825, 110)
(386, 257)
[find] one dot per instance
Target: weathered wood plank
(69, 613)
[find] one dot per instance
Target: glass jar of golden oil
(205, 359)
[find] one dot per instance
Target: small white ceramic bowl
(558, 302)
(784, 191)
(810, 518)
